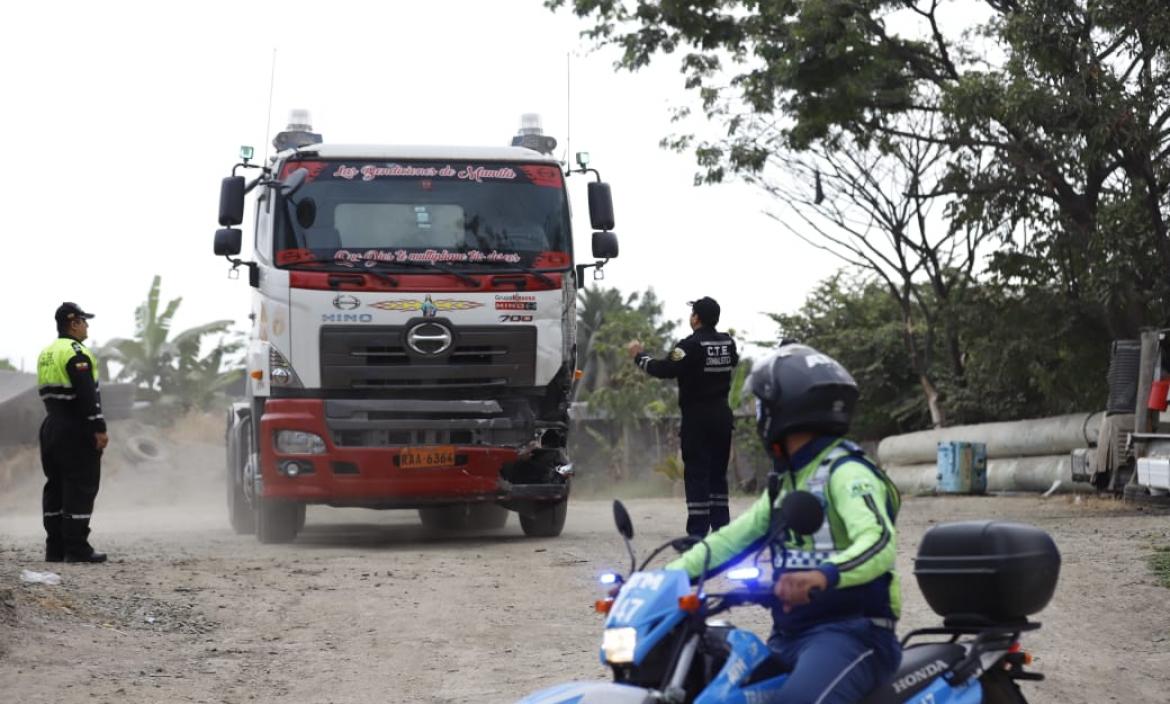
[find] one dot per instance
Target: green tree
(5, 365)
(198, 382)
(618, 389)
(161, 365)
(1025, 357)
(857, 323)
(1057, 114)
(595, 305)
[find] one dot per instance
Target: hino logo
(918, 676)
(429, 338)
(347, 318)
(345, 302)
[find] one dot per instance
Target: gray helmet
(801, 390)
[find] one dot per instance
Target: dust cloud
(153, 477)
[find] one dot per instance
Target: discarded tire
(139, 448)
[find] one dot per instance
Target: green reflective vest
(51, 371)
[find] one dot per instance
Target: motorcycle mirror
(684, 544)
(621, 518)
(802, 512)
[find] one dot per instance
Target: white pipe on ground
(1024, 438)
(1004, 474)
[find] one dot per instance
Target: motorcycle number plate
(427, 457)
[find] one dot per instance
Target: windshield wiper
(521, 269)
(531, 272)
(469, 280)
(332, 266)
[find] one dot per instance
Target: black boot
(91, 556)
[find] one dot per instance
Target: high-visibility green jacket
(855, 547)
(67, 377)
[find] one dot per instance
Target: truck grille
(403, 422)
(380, 358)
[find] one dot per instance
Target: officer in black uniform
(72, 438)
(703, 364)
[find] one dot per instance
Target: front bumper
(371, 476)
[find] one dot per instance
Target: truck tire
(278, 521)
(241, 516)
(481, 516)
(546, 520)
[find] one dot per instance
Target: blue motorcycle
(664, 644)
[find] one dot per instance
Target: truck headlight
(280, 372)
(299, 442)
(618, 645)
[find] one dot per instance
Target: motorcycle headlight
(618, 645)
(298, 442)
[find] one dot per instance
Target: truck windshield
(366, 213)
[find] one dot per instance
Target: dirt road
(367, 607)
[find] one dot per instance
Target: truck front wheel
(240, 513)
(545, 520)
(278, 521)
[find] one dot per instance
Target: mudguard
(589, 693)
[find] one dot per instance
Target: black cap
(69, 311)
(707, 310)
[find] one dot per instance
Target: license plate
(427, 457)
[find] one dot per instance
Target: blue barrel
(962, 467)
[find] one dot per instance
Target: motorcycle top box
(987, 571)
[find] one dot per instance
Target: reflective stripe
(95, 417)
(876, 547)
(698, 503)
(841, 676)
(699, 512)
(823, 546)
(78, 516)
(49, 514)
(59, 395)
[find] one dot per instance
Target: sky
(121, 118)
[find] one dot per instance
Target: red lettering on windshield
(547, 176)
(313, 167)
(550, 260)
(294, 256)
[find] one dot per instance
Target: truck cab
(412, 339)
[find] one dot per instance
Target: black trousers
(706, 446)
(72, 465)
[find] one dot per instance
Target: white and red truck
(413, 331)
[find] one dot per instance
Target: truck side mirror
(231, 201)
(600, 206)
(605, 245)
(227, 242)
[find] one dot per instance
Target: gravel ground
(367, 607)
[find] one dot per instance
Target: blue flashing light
(609, 578)
(744, 574)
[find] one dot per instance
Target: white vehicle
(413, 338)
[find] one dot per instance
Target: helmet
(799, 389)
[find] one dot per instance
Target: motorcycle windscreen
(648, 603)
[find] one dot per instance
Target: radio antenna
(268, 122)
(568, 110)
